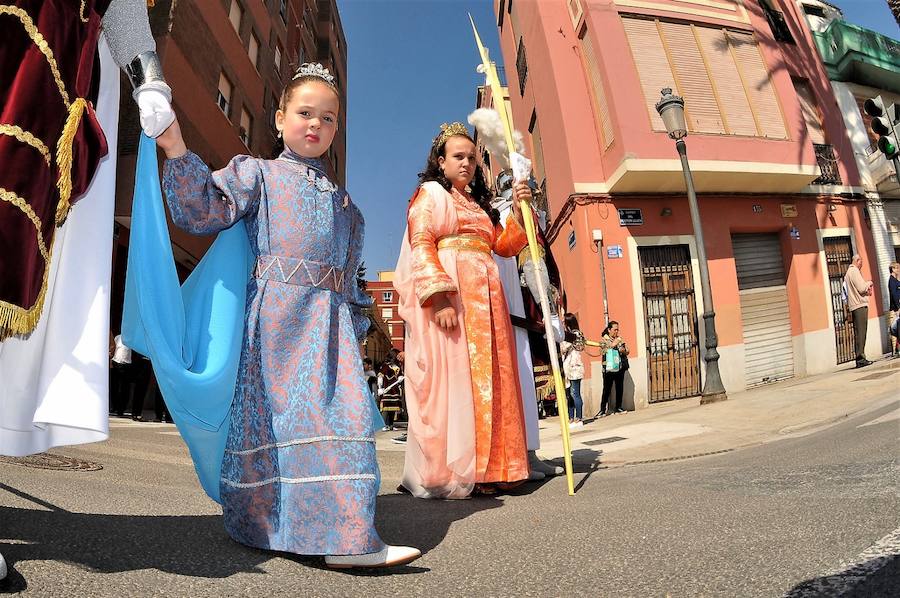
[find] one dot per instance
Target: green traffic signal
(883, 125)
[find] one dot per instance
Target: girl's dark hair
(480, 191)
(608, 326)
(572, 327)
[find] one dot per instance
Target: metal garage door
(768, 345)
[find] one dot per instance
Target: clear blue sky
(412, 67)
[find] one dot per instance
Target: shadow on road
(585, 461)
(192, 545)
(875, 578)
(403, 519)
(195, 545)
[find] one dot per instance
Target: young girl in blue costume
(299, 473)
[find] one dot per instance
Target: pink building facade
(780, 196)
(386, 301)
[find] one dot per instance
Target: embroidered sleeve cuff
(426, 292)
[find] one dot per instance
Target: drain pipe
(597, 236)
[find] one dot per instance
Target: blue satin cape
(192, 333)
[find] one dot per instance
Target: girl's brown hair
(299, 82)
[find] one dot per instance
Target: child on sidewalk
(299, 473)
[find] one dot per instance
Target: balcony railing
(827, 165)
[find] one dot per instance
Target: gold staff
(490, 70)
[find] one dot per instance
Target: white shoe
(389, 556)
(2, 567)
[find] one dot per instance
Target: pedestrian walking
(404, 412)
(466, 424)
(389, 389)
(858, 291)
(299, 473)
(615, 364)
(120, 376)
(370, 375)
(894, 300)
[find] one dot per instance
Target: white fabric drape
(54, 385)
(509, 276)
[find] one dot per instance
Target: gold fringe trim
(64, 159)
(40, 42)
(27, 138)
(23, 205)
(81, 13)
(16, 320)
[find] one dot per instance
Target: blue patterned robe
(300, 473)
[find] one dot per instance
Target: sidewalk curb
(723, 437)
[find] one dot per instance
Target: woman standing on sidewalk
(615, 364)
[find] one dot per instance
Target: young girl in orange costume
(466, 425)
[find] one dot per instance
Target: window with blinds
(810, 111)
(719, 72)
(598, 93)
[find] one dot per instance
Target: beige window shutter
(810, 110)
(758, 85)
(693, 80)
(733, 99)
(601, 107)
(652, 64)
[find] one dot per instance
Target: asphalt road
(811, 516)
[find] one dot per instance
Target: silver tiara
(313, 69)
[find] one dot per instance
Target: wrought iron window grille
(827, 165)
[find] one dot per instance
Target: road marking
(840, 581)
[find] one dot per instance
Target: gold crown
(448, 131)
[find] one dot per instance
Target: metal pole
(713, 389)
(896, 161)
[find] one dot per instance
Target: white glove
(155, 110)
(521, 166)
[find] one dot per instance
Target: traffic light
(883, 120)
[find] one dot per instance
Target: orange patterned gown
(466, 424)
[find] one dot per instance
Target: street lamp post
(671, 110)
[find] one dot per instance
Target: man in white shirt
(858, 291)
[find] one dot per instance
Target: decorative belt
(299, 271)
(464, 243)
